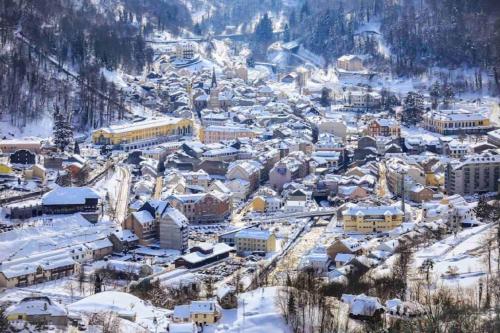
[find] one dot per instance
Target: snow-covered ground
(465, 251)
(257, 312)
(124, 304)
(50, 233)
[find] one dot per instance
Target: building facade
(144, 133)
(372, 219)
(456, 122)
(478, 173)
(253, 240)
(213, 134)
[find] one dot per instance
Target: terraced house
(144, 133)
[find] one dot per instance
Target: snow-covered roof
(120, 303)
(36, 306)
(456, 115)
(69, 196)
(182, 327)
(349, 57)
(254, 234)
(202, 307)
(149, 123)
(182, 311)
(126, 235)
(143, 217)
(344, 257)
(373, 210)
(196, 257)
(362, 305)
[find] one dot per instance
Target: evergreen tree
(4, 322)
(77, 148)
(325, 97)
(286, 34)
(251, 61)
(413, 108)
(304, 11)
(264, 30)
(291, 306)
(485, 211)
(62, 131)
(197, 29)
(448, 94)
(435, 93)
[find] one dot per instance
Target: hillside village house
(344, 245)
(199, 312)
(9, 146)
(372, 219)
(144, 133)
(38, 310)
(456, 122)
(350, 62)
(361, 100)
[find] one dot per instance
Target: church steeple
(214, 78)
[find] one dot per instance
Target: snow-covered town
(239, 180)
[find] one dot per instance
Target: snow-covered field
(257, 312)
(51, 233)
(465, 251)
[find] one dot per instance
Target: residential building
(494, 137)
(384, 127)
(247, 170)
(143, 133)
(361, 100)
(38, 310)
(372, 219)
(294, 166)
(352, 63)
(453, 210)
(211, 207)
(9, 146)
(255, 240)
(478, 173)
(37, 268)
(203, 254)
(344, 245)
(158, 219)
(456, 149)
(211, 134)
(420, 193)
(70, 200)
(198, 312)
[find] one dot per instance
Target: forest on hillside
(420, 33)
(52, 52)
